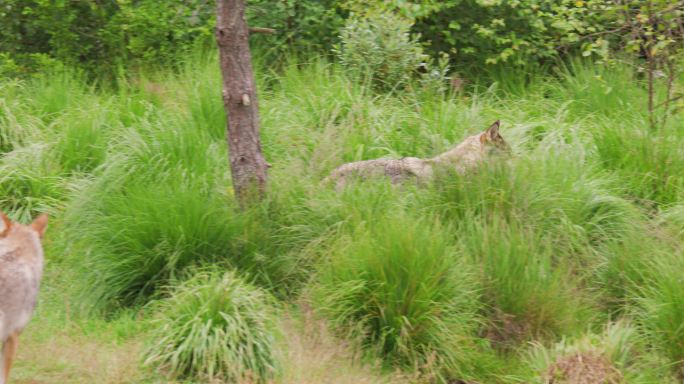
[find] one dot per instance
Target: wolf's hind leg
(8, 352)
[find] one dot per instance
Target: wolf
(462, 158)
(21, 269)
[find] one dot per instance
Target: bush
(380, 50)
(107, 36)
(398, 283)
(520, 33)
(23, 65)
(101, 37)
(303, 26)
(215, 326)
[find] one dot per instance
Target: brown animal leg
(8, 351)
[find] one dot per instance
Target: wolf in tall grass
(21, 268)
(462, 158)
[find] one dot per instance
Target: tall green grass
(659, 308)
(580, 228)
(399, 284)
(214, 327)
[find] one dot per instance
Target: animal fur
(21, 269)
(462, 158)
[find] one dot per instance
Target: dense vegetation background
(562, 263)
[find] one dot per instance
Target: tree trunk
(247, 164)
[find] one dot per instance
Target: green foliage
(519, 33)
(214, 326)
(28, 64)
(562, 238)
(399, 284)
(302, 26)
(105, 37)
(379, 49)
(39, 153)
(100, 36)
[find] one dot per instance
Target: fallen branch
(268, 31)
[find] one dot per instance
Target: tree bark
(247, 164)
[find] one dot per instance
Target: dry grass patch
(582, 368)
(314, 356)
(76, 359)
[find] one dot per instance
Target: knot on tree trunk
(248, 166)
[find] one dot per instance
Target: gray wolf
(21, 269)
(464, 157)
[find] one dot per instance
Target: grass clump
(556, 193)
(158, 207)
(659, 308)
(214, 326)
(615, 355)
(536, 227)
(529, 290)
(31, 182)
(672, 219)
(399, 285)
(648, 164)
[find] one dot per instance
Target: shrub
(380, 50)
(105, 37)
(214, 326)
(398, 283)
(520, 33)
(101, 37)
(22, 65)
(302, 26)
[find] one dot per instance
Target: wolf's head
(27, 237)
(493, 142)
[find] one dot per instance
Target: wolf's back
(396, 170)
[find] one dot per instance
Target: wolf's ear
(493, 130)
(7, 224)
(40, 224)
